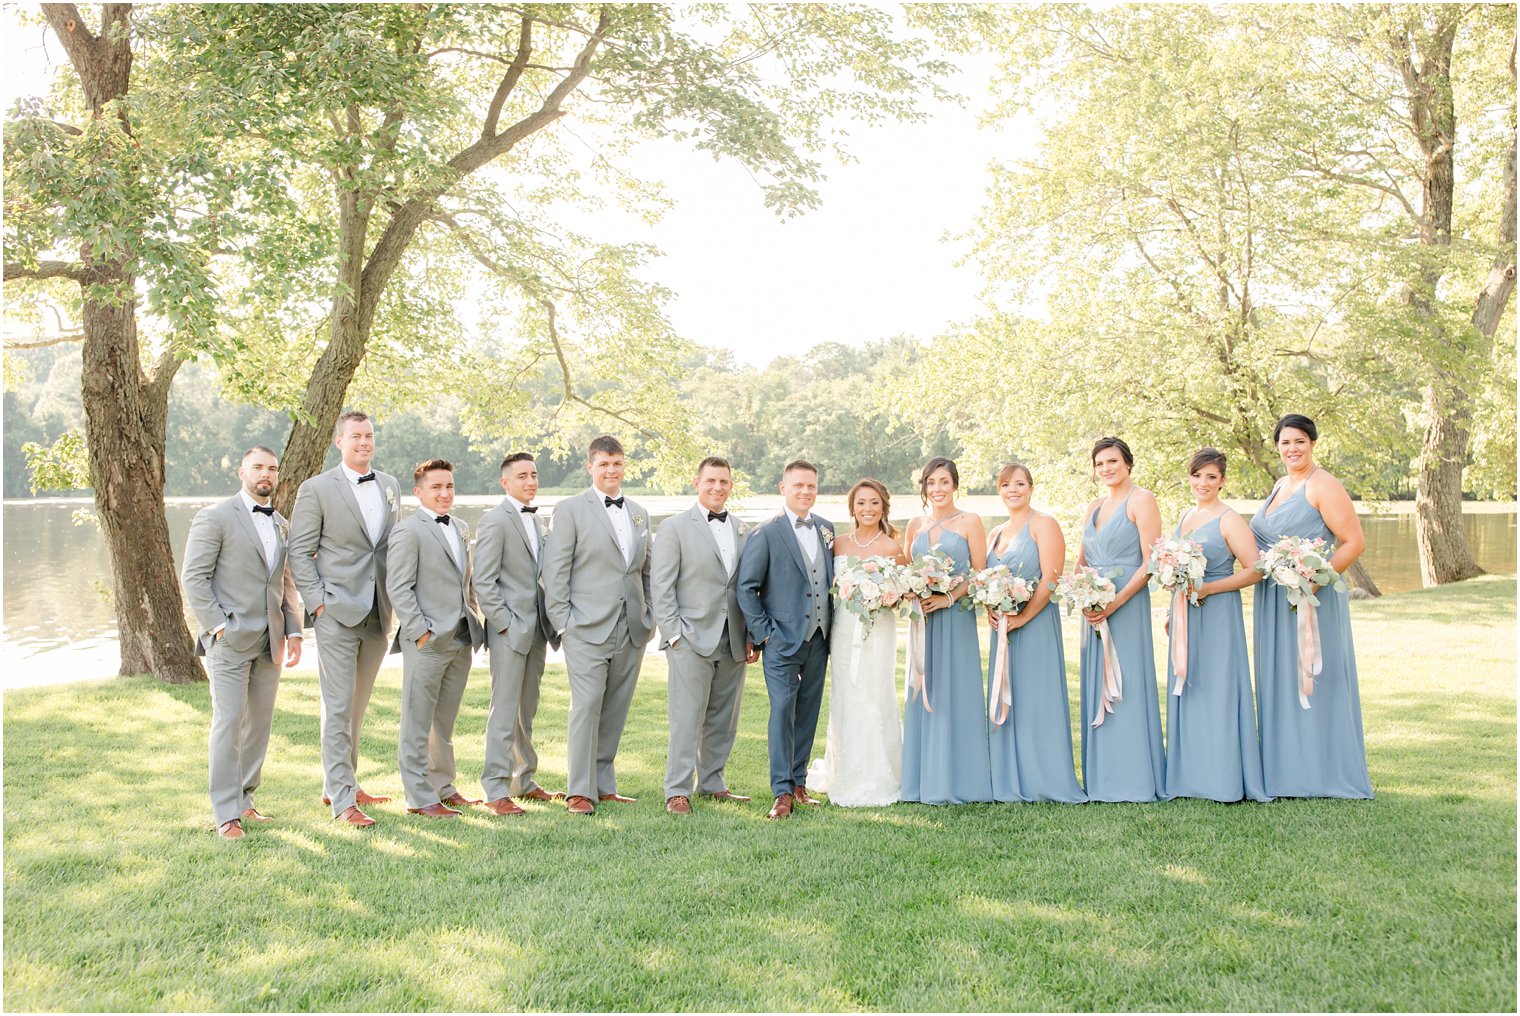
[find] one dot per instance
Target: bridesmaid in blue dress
(1211, 745)
(1314, 752)
(1122, 757)
(1031, 749)
(945, 751)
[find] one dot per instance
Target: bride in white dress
(862, 762)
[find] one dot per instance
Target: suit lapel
(595, 499)
(346, 493)
(440, 539)
(699, 519)
(279, 544)
(784, 523)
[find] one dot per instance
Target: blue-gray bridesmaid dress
(1211, 745)
(945, 752)
(1122, 760)
(1314, 752)
(1031, 749)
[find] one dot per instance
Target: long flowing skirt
(862, 761)
(1031, 749)
(945, 754)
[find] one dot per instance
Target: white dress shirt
(450, 534)
(264, 526)
(724, 534)
(371, 502)
(527, 520)
(621, 523)
(807, 538)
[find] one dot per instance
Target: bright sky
(871, 262)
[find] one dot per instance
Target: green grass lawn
(118, 895)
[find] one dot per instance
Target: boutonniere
(828, 537)
(390, 498)
(284, 529)
(638, 522)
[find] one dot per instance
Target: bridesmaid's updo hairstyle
(1113, 442)
(1206, 457)
(886, 504)
(1297, 422)
(938, 462)
(1009, 468)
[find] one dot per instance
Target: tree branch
(509, 79)
(57, 340)
(569, 380)
(47, 270)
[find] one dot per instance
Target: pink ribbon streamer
(1310, 658)
(1002, 690)
(918, 678)
(1111, 688)
(1179, 639)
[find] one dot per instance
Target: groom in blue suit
(785, 572)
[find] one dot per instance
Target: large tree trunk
(1422, 55)
(125, 417)
(125, 412)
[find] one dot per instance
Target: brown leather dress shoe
(438, 810)
(578, 805)
(728, 795)
(252, 815)
(354, 817)
(504, 806)
(782, 808)
(540, 794)
(619, 798)
(678, 805)
(803, 797)
(232, 830)
(360, 797)
(458, 800)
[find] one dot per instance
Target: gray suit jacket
(227, 580)
(694, 596)
(586, 580)
(427, 586)
(331, 556)
(506, 581)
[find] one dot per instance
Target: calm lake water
(59, 625)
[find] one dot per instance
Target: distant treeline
(826, 406)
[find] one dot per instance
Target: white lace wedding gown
(862, 761)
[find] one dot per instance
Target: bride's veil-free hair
(886, 504)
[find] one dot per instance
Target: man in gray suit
(428, 565)
(338, 532)
(693, 581)
(237, 582)
(596, 592)
(507, 552)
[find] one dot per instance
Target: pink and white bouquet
(998, 588)
(1083, 589)
(867, 586)
(926, 575)
(1177, 565)
(1299, 564)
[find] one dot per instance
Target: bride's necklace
(856, 540)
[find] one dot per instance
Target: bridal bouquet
(868, 585)
(1085, 589)
(997, 588)
(1177, 565)
(1299, 565)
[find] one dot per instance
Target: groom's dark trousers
(795, 686)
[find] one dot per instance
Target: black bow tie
(261, 509)
(612, 502)
(367, 477)
(441, 519)
(530, 509)
(800, 523)
(717, 516)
